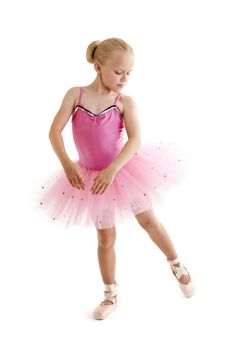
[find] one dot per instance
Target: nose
(123, 78)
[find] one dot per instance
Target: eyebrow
(123, 69)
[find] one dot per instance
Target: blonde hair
(101, 50)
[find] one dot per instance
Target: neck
(98, 87)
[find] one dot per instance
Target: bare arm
(56, 139)
(58, 124)
(133, 132)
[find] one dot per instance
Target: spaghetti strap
(78, 98)
(117, 98)
(80, 95)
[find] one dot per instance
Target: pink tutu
(139, 184)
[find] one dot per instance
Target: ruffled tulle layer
(139, 184)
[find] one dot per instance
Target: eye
(117, 72)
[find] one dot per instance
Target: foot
(108, 305)
(183, 277)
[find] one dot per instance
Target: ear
(97, 67)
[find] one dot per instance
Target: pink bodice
(98, 137)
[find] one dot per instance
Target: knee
(106, 241)
(148, 224)
(148, 221)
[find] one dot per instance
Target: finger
(72, 182)
(104, 189)
(81, 185)
(81, 182)
(75, 183)
(95, 186)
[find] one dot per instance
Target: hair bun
(91, 50)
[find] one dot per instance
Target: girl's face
(115, 72)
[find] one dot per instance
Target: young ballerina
(112, 180)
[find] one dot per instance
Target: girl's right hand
(73, 175)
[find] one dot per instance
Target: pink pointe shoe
(107, 306)
(188, 288)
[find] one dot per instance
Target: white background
(182, 83)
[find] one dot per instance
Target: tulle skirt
(139, 184)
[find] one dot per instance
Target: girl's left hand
(103, 180)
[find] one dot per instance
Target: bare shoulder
(129, 106)
(130, 116)
(73, 92)
(127, 99)
(70, 97)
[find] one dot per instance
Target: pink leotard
(97, 137)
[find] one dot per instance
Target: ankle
(173, 260)
(110, 287)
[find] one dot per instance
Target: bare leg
(159, 236)
(106, 255)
